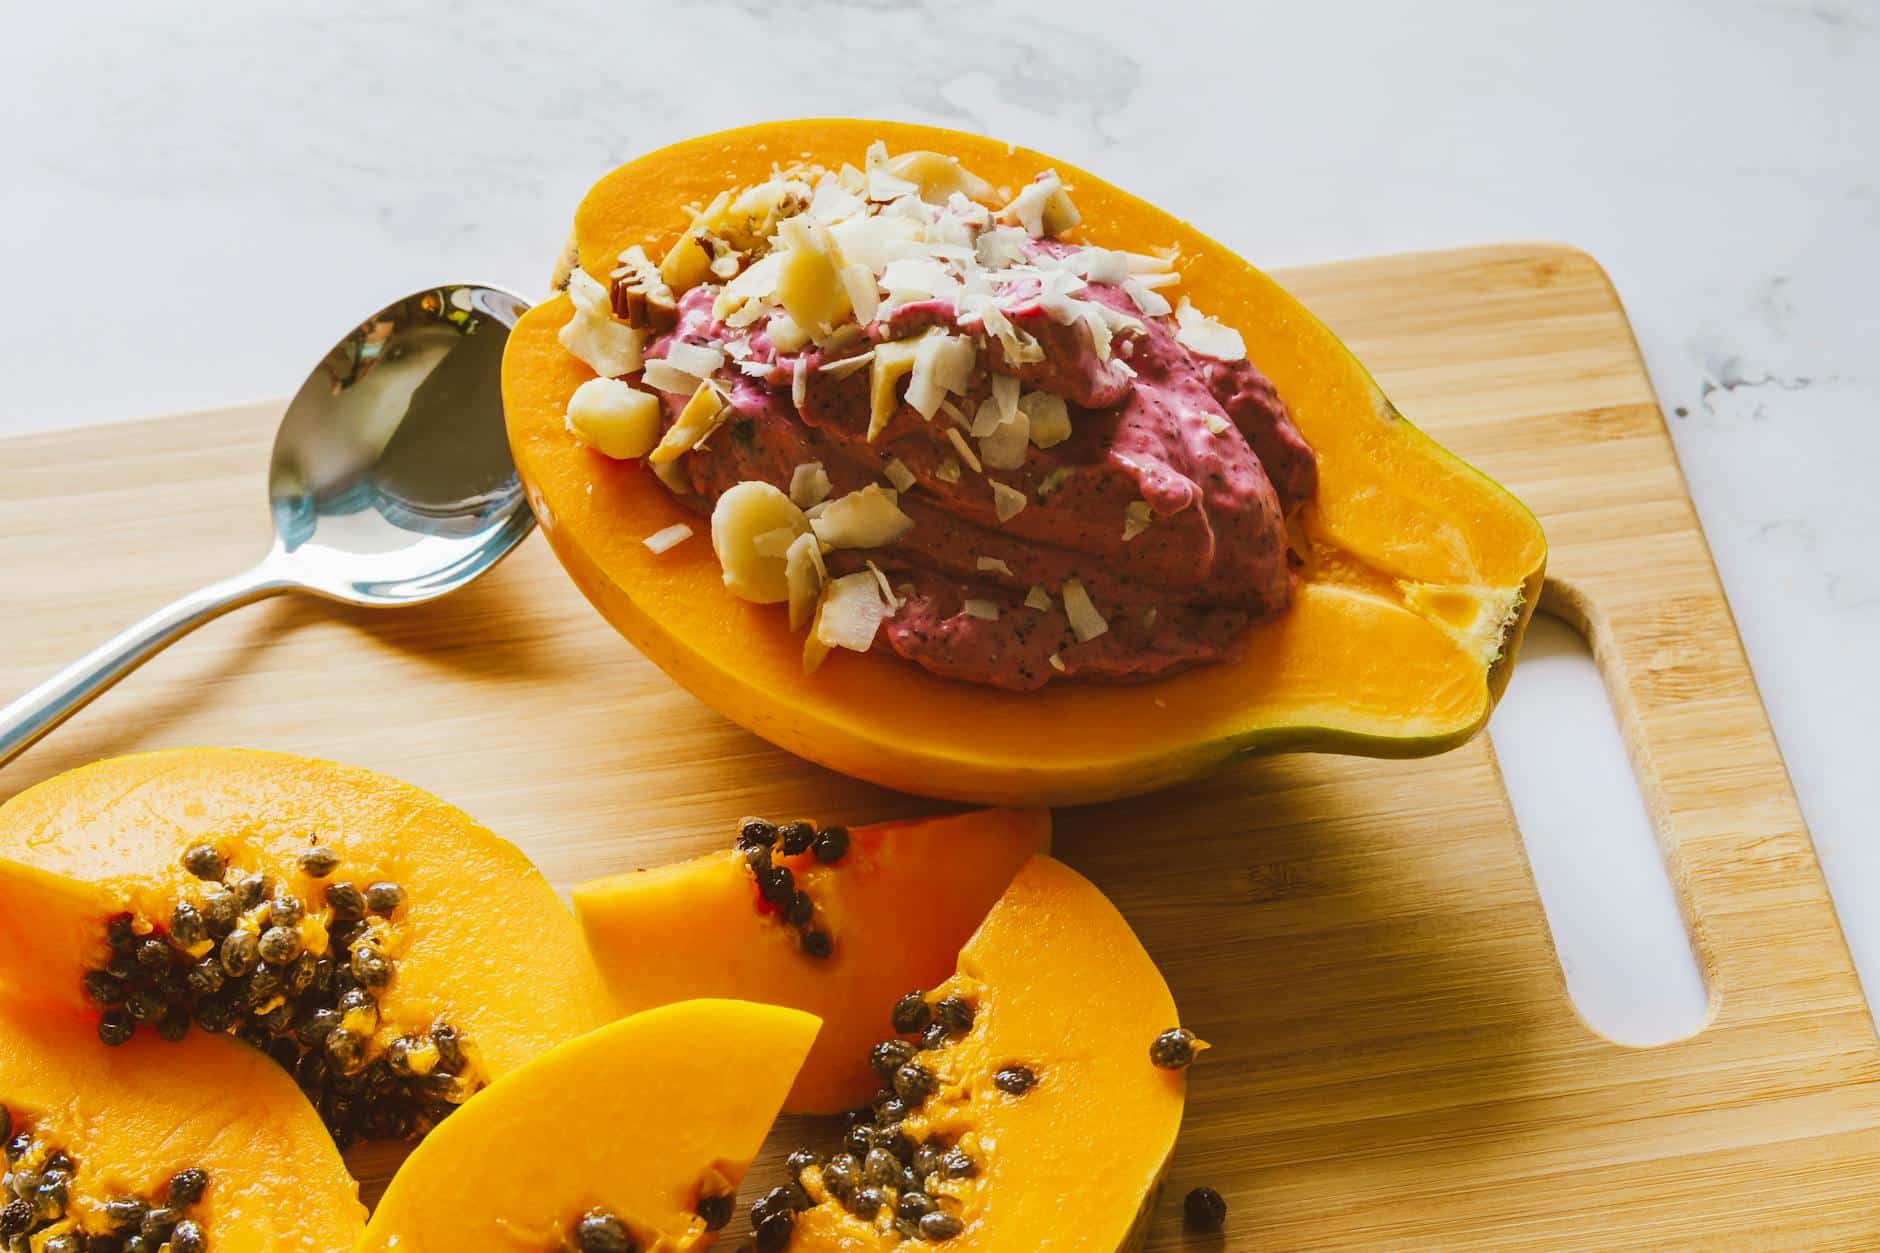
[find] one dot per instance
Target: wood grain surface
(1396, 1062)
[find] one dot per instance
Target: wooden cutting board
(1396, 1061)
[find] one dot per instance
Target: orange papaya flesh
(896, 907)
(464, 964)
(646, 1126)
(1419, 572)
(1042, 1122)
(131, 1120)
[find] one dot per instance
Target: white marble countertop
(199, 194)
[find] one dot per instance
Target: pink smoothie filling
(1165, 504)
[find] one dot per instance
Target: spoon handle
(71, 689)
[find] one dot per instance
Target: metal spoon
(391, 484)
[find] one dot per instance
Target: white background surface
(195, 199)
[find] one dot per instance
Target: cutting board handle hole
(1617, 925)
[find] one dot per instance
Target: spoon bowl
(390, 484)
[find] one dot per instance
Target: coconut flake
(1037, 598)
(804, 575)
(965, 451)
(842, 367)
(1100, 265)
(1053, 481)
(852, 611)
(887, 592)
(1202, 334)
(993, 565)
(942, 363)
(868, 518)
(1057, 662)
(786, 334)
(599, 340)
(917, 278)
(799, 382)
(1006, 447)
(1136, 519)
(809, 484)
(948, 471)
(1150, 302)
(1000, 247)
(663, 376)
(699, 360)
(1048, 419)
(859, 281)
(979, 607)
(758, 282)
(1216, 424)
(1042, 207)
(1086, 622)
(897, 473)
(666, 537)
(1007, 502)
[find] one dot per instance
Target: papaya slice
(633, 1136)
(1417, 580)
(1036, 1108)
(376, 942)
(894, 905)
(201, 1144)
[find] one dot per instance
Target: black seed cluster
(776, 885)
(236, 961)
(1204, 1210)
(1174, 1049)
(881, 1167)
(38, 1190)
(600, 1231)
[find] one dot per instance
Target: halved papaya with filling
(1415, 574)
(1030, 1101)
(199, 1145)
(634, 1136)
(377, 943)
(833, 921)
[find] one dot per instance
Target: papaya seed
(715, 1209)
(599, 1231)
(911, 1013)
(384, 898)
(831, 845)
(1203, 1209)
(757, 831)
(956, 1012)
(940, 1225)
(318, 862)
(773, 1234)
(889, 1056)
(204, 862)
(1014, 1080)
(866, 1202)
(795, 836)
(1174, 1049)
(346, 901)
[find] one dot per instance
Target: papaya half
(202, 1144)
(634, 1136)
(1416, 573)
(372, 940)
(891, 902)
(1029, 1101)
